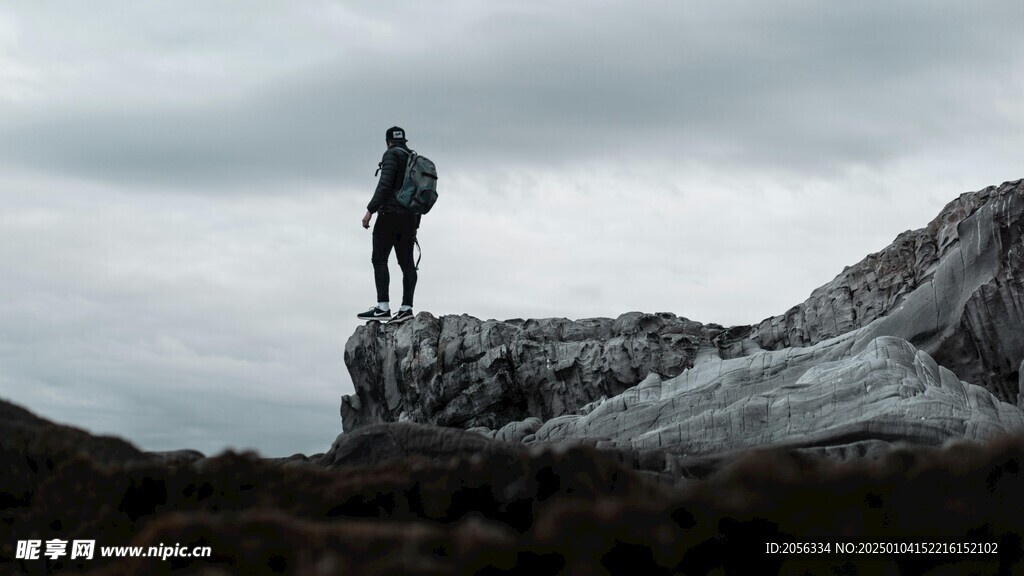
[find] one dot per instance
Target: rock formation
(921, 342)
(954, 289)
(797, 398)
(459, 371)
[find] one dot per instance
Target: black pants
(396, 231)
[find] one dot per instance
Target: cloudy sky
(181, 183)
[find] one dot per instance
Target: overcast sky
(181, 183)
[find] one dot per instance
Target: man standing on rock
(395, 228)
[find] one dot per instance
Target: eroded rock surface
(461, 371)
(921, 342)
(799, 398)
(953, 289)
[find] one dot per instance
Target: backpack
(419, 188)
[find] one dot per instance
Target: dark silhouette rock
(381, 443)
(479, 506)
(30, 446)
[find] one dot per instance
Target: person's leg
(403, 252)
(383, 241)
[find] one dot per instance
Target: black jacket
(392, 173)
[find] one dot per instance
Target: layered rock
(460, 371)
(796, 398)
(953, 289)
(921, 342)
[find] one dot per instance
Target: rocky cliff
(460, 371)
(953, 289)
(922, 342)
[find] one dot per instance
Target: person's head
(394, 135)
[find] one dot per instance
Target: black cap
(395, 134)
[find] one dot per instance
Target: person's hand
(366, 219)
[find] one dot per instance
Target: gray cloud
(800, 86)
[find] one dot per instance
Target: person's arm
(389, 166)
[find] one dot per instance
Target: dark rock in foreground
(498, 508)
(31, 446)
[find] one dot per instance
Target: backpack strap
(416, 241)
(411, 160)
(410, 157)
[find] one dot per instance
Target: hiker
(395, 228)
